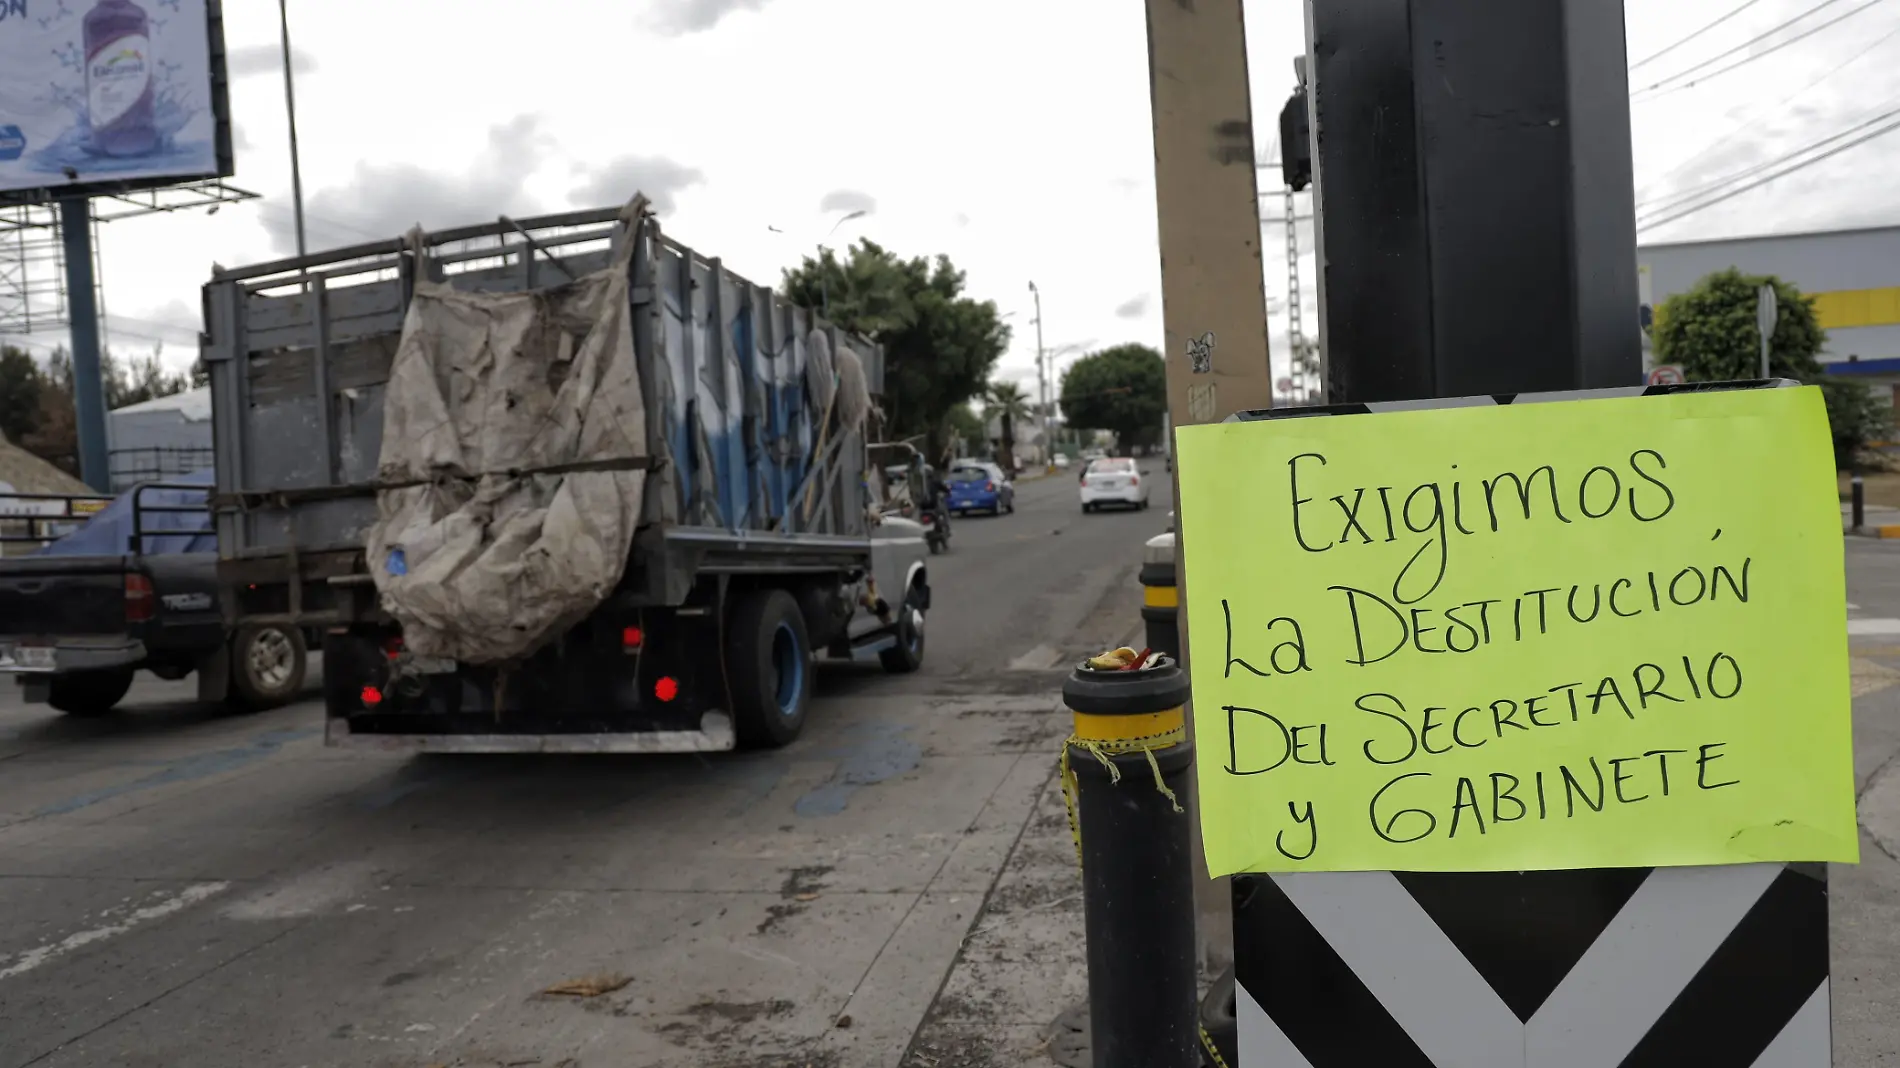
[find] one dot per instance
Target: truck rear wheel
(89, 693)
(769, 662)
(267, 666)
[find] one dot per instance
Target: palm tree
(1007, 403)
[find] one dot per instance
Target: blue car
(980, 487)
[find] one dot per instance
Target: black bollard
(1860, 501)
(1127, 766)
(1160, 597)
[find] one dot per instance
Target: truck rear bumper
(74, 654)
(714, 736)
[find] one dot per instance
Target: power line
(1673, 201)
(1658, 55)
(1772, 49)
(1783, 102)
(1757, 183)
(1743, 47)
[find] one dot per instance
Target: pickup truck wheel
(89, 693)
(908, 654)
(267, 666)
(768, 656)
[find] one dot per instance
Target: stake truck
(558, 483)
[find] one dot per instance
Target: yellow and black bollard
(1160, 596)
(1125, 770)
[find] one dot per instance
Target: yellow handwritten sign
(1573, 634)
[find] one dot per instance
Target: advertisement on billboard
(110, 94)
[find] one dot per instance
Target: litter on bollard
(1124, 773)
(1160, 596)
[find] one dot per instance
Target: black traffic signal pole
(1474, 178)
(1477, 235)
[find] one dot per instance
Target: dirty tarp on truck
(513, 452)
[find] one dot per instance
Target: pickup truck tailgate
(62, 595)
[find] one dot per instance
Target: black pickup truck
(134, 588)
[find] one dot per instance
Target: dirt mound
(23, 472)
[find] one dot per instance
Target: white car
(1115, 480)
(1061, 461)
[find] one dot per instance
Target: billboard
(100, 96)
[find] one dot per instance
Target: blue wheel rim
(788, 663)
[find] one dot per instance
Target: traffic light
(1296, 143)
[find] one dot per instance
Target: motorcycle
(936, 523)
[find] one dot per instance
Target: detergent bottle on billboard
(119, 73)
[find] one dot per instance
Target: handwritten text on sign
(1577, 634)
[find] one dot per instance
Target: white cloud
(661, 179)
(847, 200)
(267, 59)
(675, 17)
(1020, 154)
(386, 199)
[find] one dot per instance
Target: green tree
(1123, 390)
(1710, 331)
(1008, 404)
(965, 424)
(140, 379)
(21, 384)
(1855, 416)
(939, 345)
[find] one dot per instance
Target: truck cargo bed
(299, 353)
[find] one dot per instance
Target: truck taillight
(667, 688)
(631, 638)
(139, 599)
(392, 646)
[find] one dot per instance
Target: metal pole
(290, 107)
(89, 395)
(1042, 379)
(1860, 502)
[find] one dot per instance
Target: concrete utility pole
(82, 310)
(1213, 289)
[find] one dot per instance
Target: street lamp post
(290, 106)
(1042, 377)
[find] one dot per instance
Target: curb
(1890, 530)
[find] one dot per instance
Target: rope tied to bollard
(1147, 745)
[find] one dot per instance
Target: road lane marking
(1041, 658)
(307, 893)
(1870, 627)
(39, 955)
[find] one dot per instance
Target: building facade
(1853, 277)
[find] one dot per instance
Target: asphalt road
(185, 887)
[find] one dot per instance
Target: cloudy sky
(1011, 135)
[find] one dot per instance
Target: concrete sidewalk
(1024, 961)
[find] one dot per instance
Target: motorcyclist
(930, 493)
